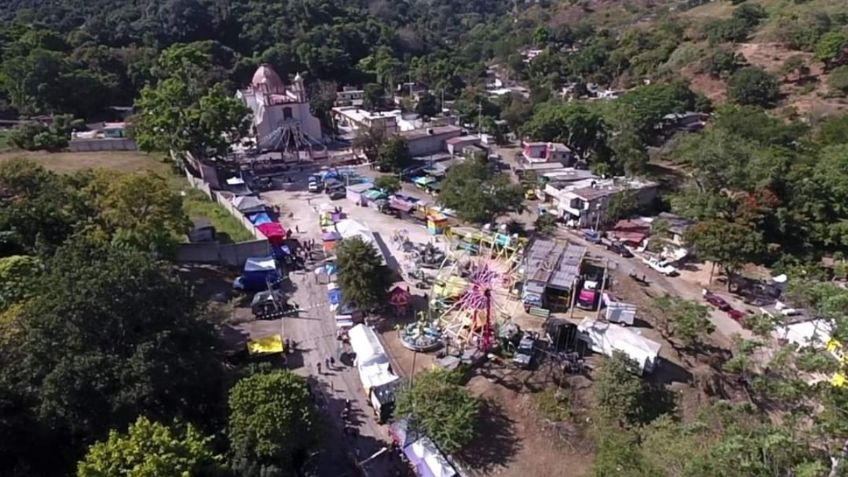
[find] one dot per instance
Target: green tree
(426, 105)
(363, 279)
(478, 193)
(837, 80)
(272, 423)
(584, 131)
(123, 323)
(375, 97)
(831, 47)
(369, 140)
(173, 117)
(388, 184)
(753, 85)
(139, 209)
(42, 214)
(618, 390)
(684, 319)
(728, 244)
(393, 155)
(545, 224)
(18, 277)
(444, 410)
(150, 449)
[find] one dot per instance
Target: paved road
(314, 331)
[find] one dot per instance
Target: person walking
(297, 228)
(327, 363)
(333, 362)
(319, 368)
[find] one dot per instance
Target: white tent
(371, 359)
(427, 460)
(248, 204)
(349, 228)
(366, 344)
(260, 264)
(606, 338)
(815, 333)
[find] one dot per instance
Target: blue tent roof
(335, 296)
(260, 218)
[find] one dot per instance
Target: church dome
(267, 80)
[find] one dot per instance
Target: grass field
(195, 203)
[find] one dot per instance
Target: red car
(738, 316)
(717, 301)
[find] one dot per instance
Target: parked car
(315, 186)
(592, 236)
(661, 266)
(619, 248)
(523, 357)
(716, 301)
(737, 315)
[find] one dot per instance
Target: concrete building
(584, 203)
(456, 146)
(536, 152)
(350, 96)
(354, 118)
(426, 141)
(281, 114)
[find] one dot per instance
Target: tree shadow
(496, 443)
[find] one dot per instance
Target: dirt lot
(122, 161)
(515, 441)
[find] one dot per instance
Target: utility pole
(480, 119)
(603, 287)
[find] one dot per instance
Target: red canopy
(274, 231)
(398, 296)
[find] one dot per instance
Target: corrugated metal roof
(569, 267)
(541, 260)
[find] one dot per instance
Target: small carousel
(421, 336)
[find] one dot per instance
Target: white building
(281, 115)
(584, 203)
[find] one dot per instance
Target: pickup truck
(523, 357)
(661, 266)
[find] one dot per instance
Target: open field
(121, 161)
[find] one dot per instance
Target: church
(282, 119)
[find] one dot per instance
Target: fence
(231, 254)
(102, 144)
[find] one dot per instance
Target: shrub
(837, 80)
(753, 85)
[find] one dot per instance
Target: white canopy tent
(427, 460)
(260, 264)
(371, 359)
(607, 338)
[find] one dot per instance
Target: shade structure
(398, 297)
(268, 345)
(274, 231)
(259, 219)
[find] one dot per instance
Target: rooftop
(569, 267)
(434, 131)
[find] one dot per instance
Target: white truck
(661, 266)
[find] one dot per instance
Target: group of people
(329, 365)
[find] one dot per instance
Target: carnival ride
(474, 289)
(422, 335)
(290, 139)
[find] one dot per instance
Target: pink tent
(274, 231)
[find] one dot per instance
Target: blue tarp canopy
(335, 296)
(259, 219)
